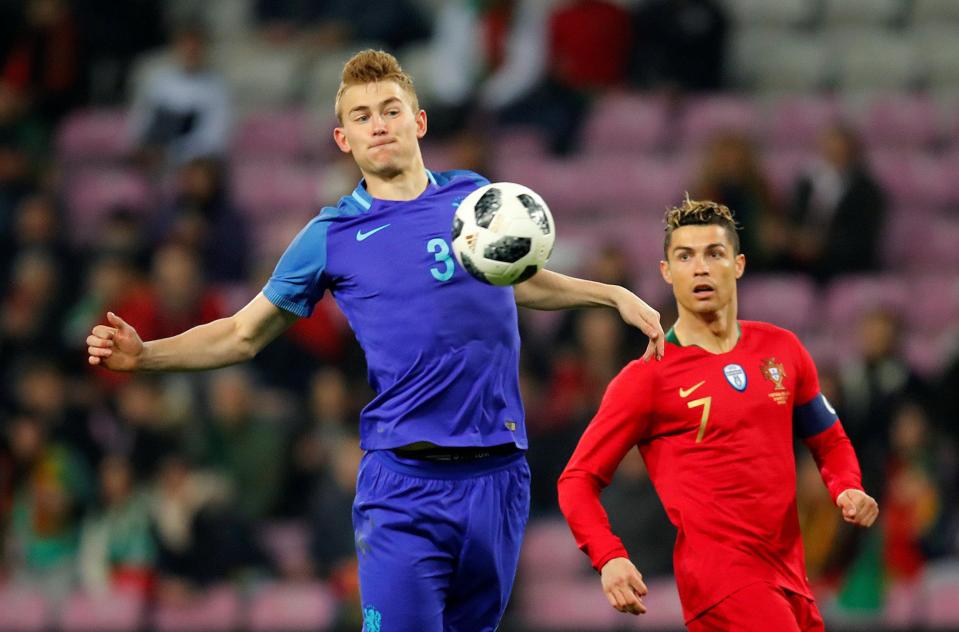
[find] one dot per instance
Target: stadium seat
(627, 124)
(516, 141)
(292, 608)
(795, 122)
(22, 610)
(91, 193)
(777, 60)
(549, 552)
(783, 168)
(941, 586)
(870, 59)
(848, 298)
(787, 301)
(281, 134)
(216, 610)
(863, 12)
(902, 605)
(704, 118)
(664, 610)
(934, 302)
(109, 612)
(927, 354)
(259, 75)
(913, 179)
(263, 188)
(285, 542)
(93, 135)
(939, 250)
(902, 121)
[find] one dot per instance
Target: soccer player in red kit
(714, 421)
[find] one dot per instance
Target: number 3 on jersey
(441, 252)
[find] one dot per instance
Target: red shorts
(760, 607)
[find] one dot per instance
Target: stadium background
(221, 501)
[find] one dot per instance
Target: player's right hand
(623, 586)
(118, 348)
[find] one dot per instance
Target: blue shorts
(438, 543)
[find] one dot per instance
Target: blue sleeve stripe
(813, 417)
(284, 303)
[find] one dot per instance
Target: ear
(421, 124)
(665, 272)
(339, 137)
(740, 265)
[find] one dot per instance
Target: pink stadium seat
(903, 604)
(217, 610)
(783, 167)
(913, 178)
(92, 193)
(786, 301)
(565, 603)
(796, 122)
(516, 141)
(664, 610)
(706, 117)
(933, 302)
(93, 135)
(629, 124)
(937, 251)
(110, 612)
(904, 236)
(22, 610)
(901, 121)
(849, 298)
(941, 586)
(280, 134)
(549, 552)
(292, 607)
(265, 188)
(927, 353)
(286, 542)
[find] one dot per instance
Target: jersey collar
(365, 200)
(673, 338)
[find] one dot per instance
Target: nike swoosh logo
(686, 392)
(360, 235)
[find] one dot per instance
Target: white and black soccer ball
(503, 233)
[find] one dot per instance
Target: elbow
(245, 342)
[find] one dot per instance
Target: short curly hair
(369, 66)
(700, 213)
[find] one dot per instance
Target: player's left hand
(634, 311)
(858, 507)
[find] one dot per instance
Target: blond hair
(700, 213)
(370, 66)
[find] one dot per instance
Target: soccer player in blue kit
(442, 494)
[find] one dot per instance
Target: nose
(379, 124)
(701, 268)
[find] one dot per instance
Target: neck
(407, 184)
(716, 332)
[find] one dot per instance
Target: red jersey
(716, 433)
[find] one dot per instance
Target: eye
(362, 118)
(392, 112)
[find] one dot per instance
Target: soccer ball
(503, 233)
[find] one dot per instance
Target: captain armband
(814, 417)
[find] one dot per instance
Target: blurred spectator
(183, 110)
(16, 180)
(838, 210)
(239, 445)
(20, 125)
(31, 308)
(116, 548)
(332, 543)
(146, 437)
(731, 174)
(38, 226)
(202, 218)
(873, 383)
(44, 59)
(823, 532)
(679, 44)
(44, 529)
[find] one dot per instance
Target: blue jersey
(442, 349)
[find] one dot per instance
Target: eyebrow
(708, 246)
(382, 103)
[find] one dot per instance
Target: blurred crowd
(163, 485)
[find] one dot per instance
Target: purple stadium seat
(786, 301)
(216, 610)
(516, 141)
(941, 586)
(849, 298)
(279, 134)
(264, 188)
(937, 249)
(549, 552)
(93, 135)
(927, 353)
(22, 610)
(783, 167)
(92, 193)
(913, 178)
(285, 542)
(705, 117)
(933, 302)
(567, 603)
(110, 612)
(901, 121)
(625, 123)
(292, 607)
(950, 165)
(796, 122)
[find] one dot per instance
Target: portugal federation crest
(736, 376)
(773, 371)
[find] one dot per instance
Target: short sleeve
(298, 282)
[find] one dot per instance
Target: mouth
(381, 144)
(703, 290)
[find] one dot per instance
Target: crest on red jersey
(773, 371)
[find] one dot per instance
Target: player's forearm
(209, 346)
(836, 459)
(587, 519)
(548, 290)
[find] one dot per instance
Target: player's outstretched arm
(623, 586)
(222, 342)
(858, 507)
(550, 290)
